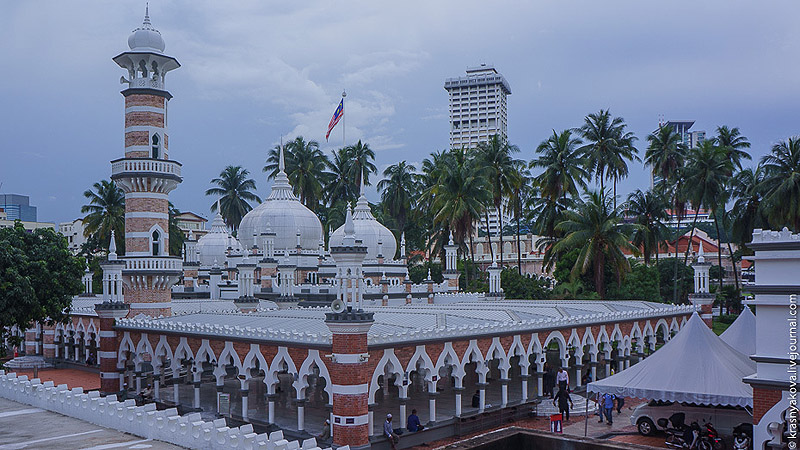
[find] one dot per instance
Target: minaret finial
(112, 248)
(147, 13)
(281, 162)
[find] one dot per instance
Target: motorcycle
(743, 436)
(679, 435)
(710, 438)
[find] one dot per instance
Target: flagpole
(344, 118)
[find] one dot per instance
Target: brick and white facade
(147, 175)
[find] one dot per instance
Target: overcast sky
(253, 71)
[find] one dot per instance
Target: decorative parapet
(784, 235)
(443, 333)
(145, 166)
(189, 431)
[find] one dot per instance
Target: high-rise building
(477, 106)
(478, 111)
(690, 139)
(17, 207)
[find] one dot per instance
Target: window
(156, 243)
(156, 146)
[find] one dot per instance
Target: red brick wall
(763, 401)
(155, 101)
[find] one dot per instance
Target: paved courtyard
(26, 427)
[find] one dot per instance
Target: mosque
(276, 330)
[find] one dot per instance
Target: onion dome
(283, 214)
(146, 38)
(212, 247)
(368, 230)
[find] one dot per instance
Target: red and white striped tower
(349, 360)
(147, 175)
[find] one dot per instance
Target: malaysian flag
(335, 119)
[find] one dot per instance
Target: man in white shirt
(562, 377)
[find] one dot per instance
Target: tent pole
(586, 413)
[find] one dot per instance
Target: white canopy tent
(695, 366)
(741, 335)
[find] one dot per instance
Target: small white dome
(146, 38)
(283, 214)
(369, 231)
(213, 246)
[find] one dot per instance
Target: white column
(138, 383)
(403, 412)
(301, 415)
(271, 409)
(458, 391)
(482, 404)
(196, 403)
(156, 388)
(524, 389)
(504, 392)
(371, 422)
(245, 406)
(176, 391)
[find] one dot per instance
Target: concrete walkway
(25, 427)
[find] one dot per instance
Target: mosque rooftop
(404, 324)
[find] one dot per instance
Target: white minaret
(495, 288)
(701, 296)
(146, 174)
(112, 274)
(451, 273)
(349, 258)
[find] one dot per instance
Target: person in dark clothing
(413, 424)
(548, 380)
(476, 399)
(620, 404)
(564, 403)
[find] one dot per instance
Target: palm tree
(234, 191)
(665, 155)
(649, 210)
(105, 213)
(397, 192)
(340, 186)
(708, 169)
(748, 212)
(521, 192)
(732, 142)
(361, 162)
(563, 166)
(176, 237)
(460, 196)
(305, 167)
(502, 169)
(608, 147)
(595, 228)
(781, 184)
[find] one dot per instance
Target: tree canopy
(38, 276)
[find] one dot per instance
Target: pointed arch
(253, 356)
(496, 351)
(182, 351)
(142, 348)
(448, 357)
(420, 355)
(301, 384)
(228, 354)
(271, 375)
(204, 352)
(126, 345)
(389, 359)
(162, 349)
(535, 348)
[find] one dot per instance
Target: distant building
(5, 222)
(691, 139)
(189, 221)
(478, 111)
(18, 207)
(477, 106)
(73, 231)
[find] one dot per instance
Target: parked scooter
(743, 436)
(710, 438)
(679, 435)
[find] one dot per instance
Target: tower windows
(156, 243)
(156, 146)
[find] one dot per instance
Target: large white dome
(146, 38)
(283, 214)
(212, 247)
(369, 231)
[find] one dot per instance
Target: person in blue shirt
(606, 405)
(413, 422)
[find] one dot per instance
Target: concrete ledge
(145, 421)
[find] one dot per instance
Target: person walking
(562, 377)
(607, 406)
(620, 404)
(388, 431)
(564, 403)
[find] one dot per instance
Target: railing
(154, 263)
(159, 166)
